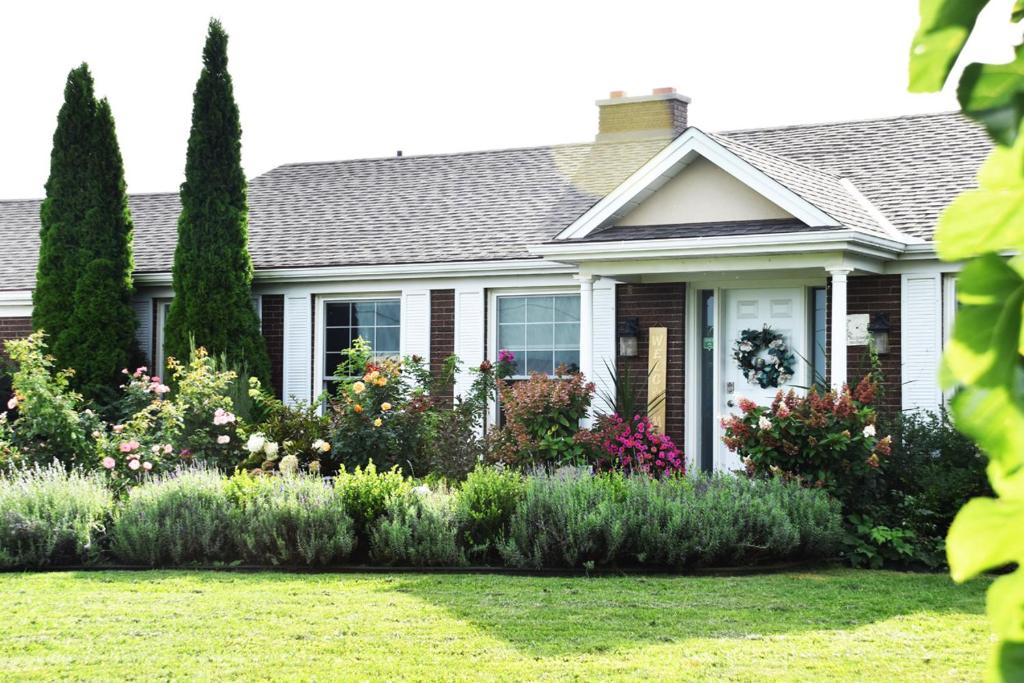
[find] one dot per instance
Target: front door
(784, 311)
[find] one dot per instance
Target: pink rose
(147, 466)
(109, 462)
(13, 403)
(118, 429)
(133, 464)
(223, 439)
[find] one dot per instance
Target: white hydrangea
(764, 423)
(270, 449)
(869, 431)
(289, 464)
(255, 443)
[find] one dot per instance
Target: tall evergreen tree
(212, 268)
(84, 284)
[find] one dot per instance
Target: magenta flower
(506, 356)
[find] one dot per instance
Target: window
(543, 331)
(378, 321)
(819, 311)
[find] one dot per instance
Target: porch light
(629, 329)
(879, 328)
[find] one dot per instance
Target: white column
(586, 281)
(837, 363)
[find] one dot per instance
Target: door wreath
(771, 370)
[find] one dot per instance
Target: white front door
(784, 311)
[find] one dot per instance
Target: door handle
(730, 403)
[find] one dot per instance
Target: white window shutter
(603, 343)
(298, 351)
(921, 340)
(416, 323)
(469, 334)
(144, 327)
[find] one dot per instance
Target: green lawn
(838, 624)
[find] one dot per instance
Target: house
(657, 237)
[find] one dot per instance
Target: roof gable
(670, 162)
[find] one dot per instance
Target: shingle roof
(492, 205)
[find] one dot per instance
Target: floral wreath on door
(773, 369)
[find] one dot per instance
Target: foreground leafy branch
(984, 361)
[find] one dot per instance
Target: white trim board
(669, 162)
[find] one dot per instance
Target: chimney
(660, 114)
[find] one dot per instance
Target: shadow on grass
(548, 617)
(544, 617)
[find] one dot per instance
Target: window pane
(539, 361)
(367, 333)
(567, 335)
(539, 337)
(331, 362)
(337, 339)
(388, 312)
(363, 313)
(337, 314)
(511, 335)
(517, 364)
(331, 387)
(387, 341)
(570, 359)
(567, 308)
(540, 309)
(511, 309)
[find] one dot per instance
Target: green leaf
(994, 95)
(985, 535)
(1007, 663)
(1018, 11)
(1005, 602)
(985, 346)
(994, 418)
(944, 29)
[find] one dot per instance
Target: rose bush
(635, 446)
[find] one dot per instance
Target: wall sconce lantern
(629, 331)
(879, 328)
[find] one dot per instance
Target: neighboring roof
(493, 205)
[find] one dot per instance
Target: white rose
(255, 443)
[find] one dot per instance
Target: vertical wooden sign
(657, 371)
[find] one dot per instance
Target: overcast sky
(343, 80)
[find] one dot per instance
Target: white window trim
(492, 321)
(949, 309)
(321, 301)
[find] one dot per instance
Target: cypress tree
(212, 268)
(84, 285)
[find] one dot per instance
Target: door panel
(783, 310)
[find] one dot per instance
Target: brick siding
(272, 306)
(873, 294)
(656, 305)
(442, 328)
(629, 117)
(14, 328)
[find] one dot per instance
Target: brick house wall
(656, 305)
(272, 307)
(442, 329)
(14, 328)
(872, 294)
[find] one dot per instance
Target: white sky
(342, 80)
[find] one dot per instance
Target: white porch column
(586, 281)
(837, 362)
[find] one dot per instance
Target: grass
(158, 625)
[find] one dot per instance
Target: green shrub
(175, 519)
(52, 422)
(289, 520)
(672, 523)
(486, 502)
(566, 521)
(366, 494)
(420, 529)
(51, 517)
